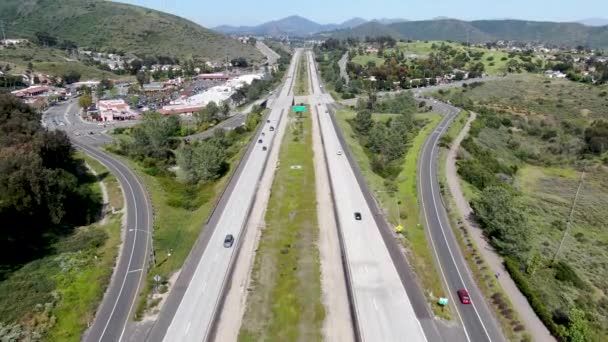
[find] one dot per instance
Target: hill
(295, 26)
(567, 34)
(108, 25)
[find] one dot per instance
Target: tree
(363, 121)
(225, 109)
(142, 78)
(596, 137)
(202, 162)
(44, 38)
(71, 76)
(504, 220)
(85, 101)
(578, 328)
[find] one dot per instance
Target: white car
(339, 152)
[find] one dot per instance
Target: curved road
(477, 319)
(117, 305)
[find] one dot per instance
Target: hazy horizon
(253, 13)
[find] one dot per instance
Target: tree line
(45, 190)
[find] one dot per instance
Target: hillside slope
(567, 34)
(130, 29)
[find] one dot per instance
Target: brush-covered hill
(107, 25)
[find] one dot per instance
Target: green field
(56, 297)
(285, 301)
(365, 59)
(537, 125)
(406, 201)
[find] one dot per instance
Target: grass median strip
(285, 301)
(401, 203)
(302, 80)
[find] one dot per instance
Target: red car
(464, 296)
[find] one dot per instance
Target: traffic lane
(478, 326)
(195, 319)
(378, 293)
(115, 310)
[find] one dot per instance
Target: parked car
(358, 216)
(464, 296)
(228, 241)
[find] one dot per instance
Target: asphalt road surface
(115, 310)
(477, 319)
(197, 297)
(270, 54)
(382, 309)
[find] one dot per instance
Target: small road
(271, 56)
(117, 305)
(477, 319)
(195, 302)
(342, 63)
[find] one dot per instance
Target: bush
(536, 303)
(565, 273)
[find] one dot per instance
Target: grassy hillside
(108, 25)
(49, 61)
(569, 34)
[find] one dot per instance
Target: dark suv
(228, 241)
(358, 216)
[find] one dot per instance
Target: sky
(211, 13)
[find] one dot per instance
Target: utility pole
(569, 224)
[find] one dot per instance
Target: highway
(117, 306)
(381, 307)
(477, 319)
(194, 304)
(271, 55)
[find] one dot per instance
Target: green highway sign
(299, 109)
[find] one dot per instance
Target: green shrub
(565, 273)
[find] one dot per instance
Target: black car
(267, 121)
(260, 141)
(264, 148)
(228, 241)
(358, 216)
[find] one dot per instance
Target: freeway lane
(115, 310)
(197, 297)
(382, 309)
(477, 319)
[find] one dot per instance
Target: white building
(110, 110)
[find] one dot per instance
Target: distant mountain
(388, 21)
(108, 25)
(594, 22)
(291, 26)
(568, 34)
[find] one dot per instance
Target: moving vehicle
(228, 241)
(267, 121)
(358, 216)
(464, 296)
(271, 128)
(264, 148)
(339, 152)
(260, 141)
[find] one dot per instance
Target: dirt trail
(527, 315)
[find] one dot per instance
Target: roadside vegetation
(284, 303)
(387, 147)
(521, 167)
(57, 257)
(185, 180)
(302, 86)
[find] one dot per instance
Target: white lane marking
(65, 114)
(137, 270)
(187, 328)
(132, 247)
(446, 239)
(375, 304)
(444, 236)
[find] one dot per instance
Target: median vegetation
(302, 84)
(284, 303)
(521, 168)
(184, 180)
(386, 148)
